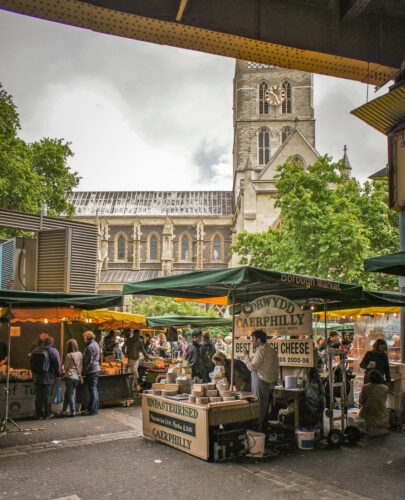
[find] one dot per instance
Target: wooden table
(187, 426)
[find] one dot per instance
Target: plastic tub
(305, 438)
(290, 382)
(256, 442)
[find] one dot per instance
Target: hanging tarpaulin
(277, 316)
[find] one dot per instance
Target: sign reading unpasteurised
(277, 316)
(181, 425)
(291, 352)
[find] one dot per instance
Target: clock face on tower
(275, 95)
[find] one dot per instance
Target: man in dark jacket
(91, 369)
(132, 348)
(207, 351)
(193, 355)
(46, 367)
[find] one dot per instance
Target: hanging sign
(291, 352)
(277, 316)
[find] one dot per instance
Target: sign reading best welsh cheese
(277, 316)
(180, 425)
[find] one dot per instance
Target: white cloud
(150, 117)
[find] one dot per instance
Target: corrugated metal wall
(8, 264)
(53, 261)
(80, 269)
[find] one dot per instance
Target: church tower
(273, 119)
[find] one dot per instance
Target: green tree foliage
(329, 225)
(164, 306)
(32, 173)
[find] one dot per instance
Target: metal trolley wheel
(335, 438)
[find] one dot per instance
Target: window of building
(185, 247)
(298, 161)
(264, 146)
(153, 248)
(121, 248)
(287, 105)
(285, 134)
(263, 104)
(217, 248)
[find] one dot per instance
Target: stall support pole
(6, 418)
(402, 283)
(233, 334)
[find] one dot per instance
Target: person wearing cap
(241, 373)
(264, 368)
(194, 356)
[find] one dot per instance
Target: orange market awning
(221, 301)
(105, 318)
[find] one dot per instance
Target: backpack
(40, 362)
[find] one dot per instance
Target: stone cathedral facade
(148, 234)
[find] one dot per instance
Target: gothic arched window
(285, 134)
(153, 248)
(217, 248)
(298, 160)
(287, 105)
(263, 146)
(121, 248)
(185, 247)
(263, 104)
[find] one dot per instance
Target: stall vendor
(241, 373)
(373, 399)
(163, 346)
(377, 359)
(264, 368)
(3, 353)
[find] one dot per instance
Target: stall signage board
(291, 352)
(277, 316)
(180, 425)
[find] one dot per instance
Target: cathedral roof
(152, 203)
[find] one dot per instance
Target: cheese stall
(278, 303)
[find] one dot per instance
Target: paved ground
(105, 456)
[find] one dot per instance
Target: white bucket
(290, 382)
(256, 442)
(305, 438)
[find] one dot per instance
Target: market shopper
(220, 344)
(132, 348)
(151, 349)
(193, 355)
(228, 342)
(42, 336)
(91, 369)
(163, 346)
(46, 366)
(377, 359)
(109, 343)
(241, 373)
(207, 351)
(73, 368)
(373, 400)
(264, 369)
(179, 348)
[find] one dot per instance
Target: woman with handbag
(73, 376)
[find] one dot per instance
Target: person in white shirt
(265, 370)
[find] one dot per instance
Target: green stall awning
(186, 321)
(22, 298)
(246, 284)
(393, 263)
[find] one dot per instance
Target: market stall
(63, 316)
(245, 285)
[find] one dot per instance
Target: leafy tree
(329, 224)
(164, 306)
(32, 173)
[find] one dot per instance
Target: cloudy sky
(146, 117)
